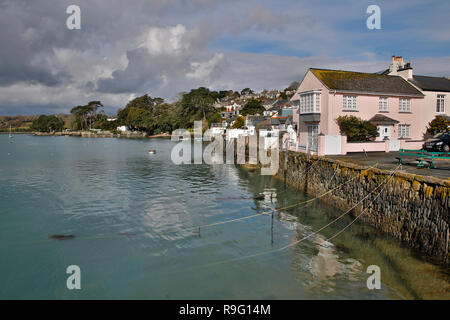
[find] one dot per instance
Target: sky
(125, 49)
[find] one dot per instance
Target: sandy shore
(161, 135)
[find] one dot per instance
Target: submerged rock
(342, 248)
(127, 234)
(259, 197)
(62, 236)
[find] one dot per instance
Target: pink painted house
(435, 89)
(390, 102)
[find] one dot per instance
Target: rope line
(323, 194)
(315, 232)
(345, 213)
(238, 219)
(193, 228)
(334, 174)
(227, 221)
(264, 213)
(364, 211)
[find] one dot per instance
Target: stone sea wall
(412, 208)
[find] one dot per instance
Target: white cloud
(202, 70)
(169, 40)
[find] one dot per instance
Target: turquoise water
(131, 212)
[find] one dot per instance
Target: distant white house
(123, 129)
(237, 133)
(231, 110)
(218, 128)
(269, 133)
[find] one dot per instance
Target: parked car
(440, 142)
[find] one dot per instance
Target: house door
(313, 132)
(384, 132)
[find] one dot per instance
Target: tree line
(153, 115)
(145, 113)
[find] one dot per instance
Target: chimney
(406, 72)
(396, 63)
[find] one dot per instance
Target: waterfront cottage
(123, 129)
(390, 102)
(436, 90)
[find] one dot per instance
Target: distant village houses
(398, 102)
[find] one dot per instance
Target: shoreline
(13, 133)
(105, 134)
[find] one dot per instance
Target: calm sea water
(131, 212)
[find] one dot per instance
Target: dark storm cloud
(27, 43)
(162, 47)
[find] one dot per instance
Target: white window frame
(309, 102)
(404, 105)
(404, 131)
(349, 103)
(440, 103)
(383, 104)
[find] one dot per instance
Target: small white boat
(10, 135)
(152, 151)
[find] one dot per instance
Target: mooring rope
(264, 213)
(364, 211)
(199, 227)
(323, 194)
(334, 174)
(193, 228)
(226, 221)
(314, 232)
(283, 208)
(346, 212)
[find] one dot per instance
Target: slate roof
(365, 82)
(282, 103)
(265, 124)
(274, 108)
(427, 83)
(279, 120)
(382, 119)
(285, 113)
(255, 120)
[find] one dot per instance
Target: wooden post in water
(285, 166)
(307, 169)
(271, 231)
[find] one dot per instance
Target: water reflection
(131, 215)
(327, 267)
